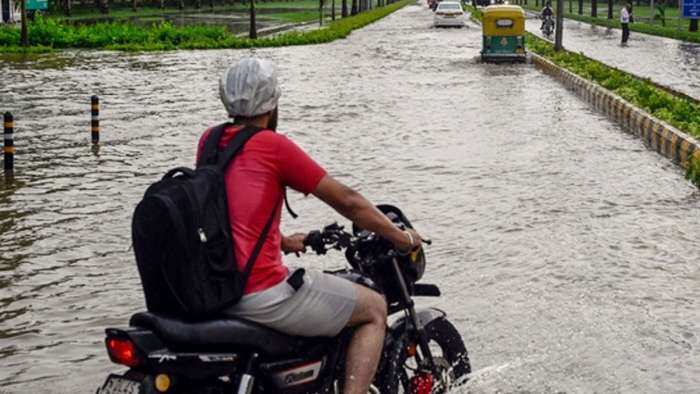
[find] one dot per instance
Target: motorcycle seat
(225, 334)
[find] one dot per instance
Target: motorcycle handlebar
(334, 236)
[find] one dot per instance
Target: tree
(559, 31)
(344, 11)
(693, 25)
(594, 8)
(320, 12)
(332, 10)
(580, 7)
(353, 10)
(610, 9)
(24, 35)
(134, 5)
(253, 34)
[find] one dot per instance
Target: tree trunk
(181, 4)
(580, 7)
(353, 10)
(134, 5)
(211, 4)
(610, 9)
(559, 31)
(253, 29)
(68, 7)
(162, 4)
(333, 10)
(198, 4)
(320, 12)
(344, 11)
(693, 25)
(594, 8)
(24, 34)
(571, 10)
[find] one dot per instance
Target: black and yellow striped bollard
(95, 123)
(9, 146)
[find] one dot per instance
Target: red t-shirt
(255, 181)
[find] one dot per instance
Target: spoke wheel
(449, 354)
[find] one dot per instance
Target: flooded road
(669, 62)
(566, 251)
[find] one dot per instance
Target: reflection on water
(567, 251)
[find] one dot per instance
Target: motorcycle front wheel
(448, 350)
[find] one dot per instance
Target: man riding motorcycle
(255, 182)
(546, 14)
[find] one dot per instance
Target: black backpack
(182, 238)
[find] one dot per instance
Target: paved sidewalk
(668, 62)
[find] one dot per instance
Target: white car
(448, 13)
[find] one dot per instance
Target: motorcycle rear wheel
(449, 353)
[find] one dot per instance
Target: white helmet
(250, 88)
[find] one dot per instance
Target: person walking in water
(625, 22)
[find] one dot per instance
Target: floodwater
(566, 251)
(668, 62)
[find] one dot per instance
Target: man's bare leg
(366, 345)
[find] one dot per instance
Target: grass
(125, 12)
(640, 13)
(297, 17)
(47, 33)
(679, 112)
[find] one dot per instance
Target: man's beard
(272, 123)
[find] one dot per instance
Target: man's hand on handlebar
(294, 243)
(410, 241)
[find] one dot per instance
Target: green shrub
(693, 172)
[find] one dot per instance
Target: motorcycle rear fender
(158, 359)
(145, 340)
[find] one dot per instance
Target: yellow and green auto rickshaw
(504, 33)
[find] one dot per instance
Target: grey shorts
(321, 307)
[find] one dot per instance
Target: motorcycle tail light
(421, 383)
(122, 351)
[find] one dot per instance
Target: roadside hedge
(48, 33)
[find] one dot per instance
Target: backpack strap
(210, 150)
(234, 146)
(258, 245)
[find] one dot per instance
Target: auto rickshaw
(504, 33)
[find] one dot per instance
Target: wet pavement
(668, 62)
(566, 251)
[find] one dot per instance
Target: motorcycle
(547, 26)
(422, 352)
